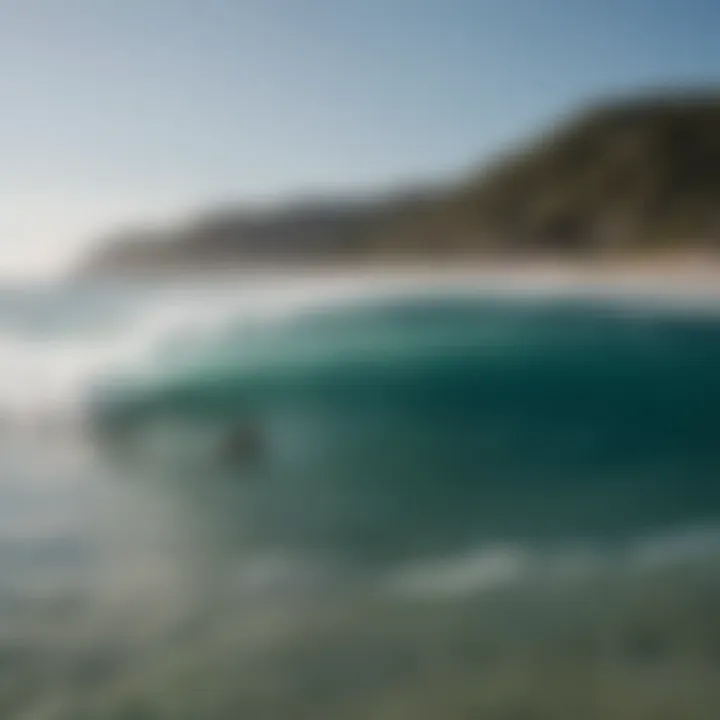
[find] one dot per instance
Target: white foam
(462, 575)
(45, 375)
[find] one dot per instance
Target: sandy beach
(682, 276)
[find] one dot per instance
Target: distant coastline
(620, 182)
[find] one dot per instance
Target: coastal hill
(631, 176)
(301, 231)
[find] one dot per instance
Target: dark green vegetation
(626, 176)
(633, 176)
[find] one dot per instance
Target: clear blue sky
(114, 110)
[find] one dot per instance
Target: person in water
(244, 443)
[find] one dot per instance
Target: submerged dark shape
(243, 443)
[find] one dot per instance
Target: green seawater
(418, 425)
(425, 505)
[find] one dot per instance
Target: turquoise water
(422, 424)
(270, 502)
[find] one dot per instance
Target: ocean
(358, 497)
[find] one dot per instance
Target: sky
(121, 112)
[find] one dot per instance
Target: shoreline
(691, 275)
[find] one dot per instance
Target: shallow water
(441, 485)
